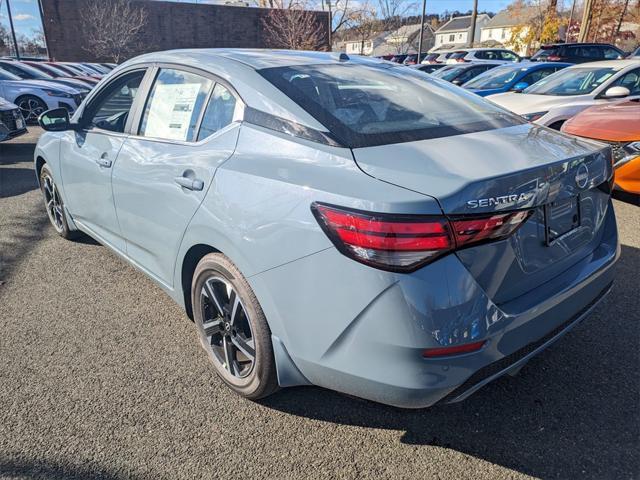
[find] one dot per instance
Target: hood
(524, 103)
(41, 84)
(520, 160)
(618, 122)
(485, 93)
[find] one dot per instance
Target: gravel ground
(102, 376)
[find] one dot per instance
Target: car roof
(255, 58)
(547, 45)
(535, 65)
(616, 64)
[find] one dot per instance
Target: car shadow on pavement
(16, 181)
(32, 469)
(16, 152)
(571, 412)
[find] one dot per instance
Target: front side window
(611, 53)
(572, 81)
(111, 108)
(508, 56)
(174, 105)
(219, 112)
(630, 80)
(366, 105)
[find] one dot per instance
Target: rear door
(187, 128)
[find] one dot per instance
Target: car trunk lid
(520, 167)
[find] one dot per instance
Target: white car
(37, 96)
(558, 97)
(483, 55)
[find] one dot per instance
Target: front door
(162, 175)
(87, 158)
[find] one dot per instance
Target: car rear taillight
(404, 243)
(453, 350)
(473, 229)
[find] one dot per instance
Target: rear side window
(174, 105)
(366, 105)
(219, 112)
(592, 52)
(508, 56)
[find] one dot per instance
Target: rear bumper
(360, 331)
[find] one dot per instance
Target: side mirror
(55, 120)
(519, 87)
(617, 92)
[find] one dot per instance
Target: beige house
(501, 29)
(456, 32)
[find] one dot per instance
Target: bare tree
(364, 24)
(112, 28)
(392, 12)
(294, 28)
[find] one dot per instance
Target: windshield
(572, 81)
(495, 78)
(366, 105)
(25, 71)
(4, 75)
(51, 70)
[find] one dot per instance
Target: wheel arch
(189, 263)
(40, 161)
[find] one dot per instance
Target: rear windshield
(546, 52)
(367, 105)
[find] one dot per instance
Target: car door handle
(103, 161)
(189, 183)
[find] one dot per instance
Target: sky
(26, 16)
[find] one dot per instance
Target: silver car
(335, 221)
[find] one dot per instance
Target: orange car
(619, 125)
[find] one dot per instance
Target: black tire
(32, 107)
(54, 205)
(237, 332)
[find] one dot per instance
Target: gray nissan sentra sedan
(337, 221)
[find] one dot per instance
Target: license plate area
(560, 218)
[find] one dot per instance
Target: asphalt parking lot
(102, 376)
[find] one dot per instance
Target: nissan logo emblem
(582, 176)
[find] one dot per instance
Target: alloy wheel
(52, 202)
(31, 108)
(227, 328)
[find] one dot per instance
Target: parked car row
(37, 86)
(551, 93)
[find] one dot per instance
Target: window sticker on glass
(171, 110)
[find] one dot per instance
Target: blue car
(512, 77)
(335, 221)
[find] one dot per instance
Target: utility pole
(424, 6)
(13, 31)
(586, 21)
(474, 17)
(573, 8)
